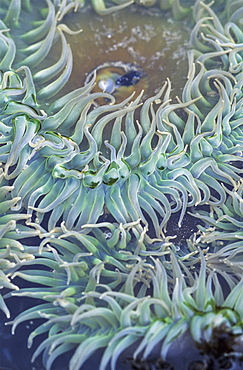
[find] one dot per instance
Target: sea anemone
(143, 318)
(89, 190)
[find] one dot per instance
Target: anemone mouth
(135, 36)
(119, 79)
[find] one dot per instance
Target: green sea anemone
(146, 313)
(89, 191)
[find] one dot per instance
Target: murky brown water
(148, 38)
